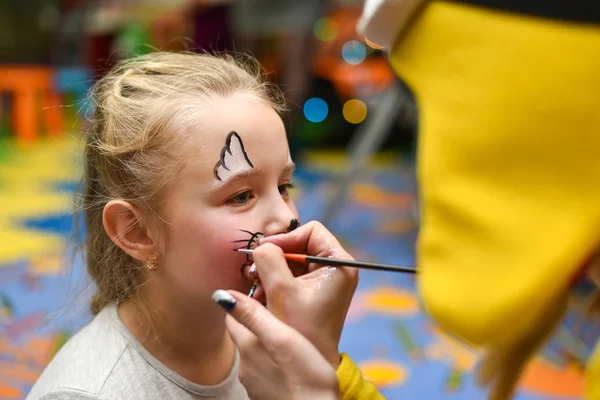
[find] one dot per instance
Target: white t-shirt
(105, 361)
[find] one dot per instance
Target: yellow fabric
(508, 166)
(352, 384)
(592, 381)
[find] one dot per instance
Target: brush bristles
(245, 251)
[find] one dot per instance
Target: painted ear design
(233, 158)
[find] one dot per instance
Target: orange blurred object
(372, 75)
(27, 84)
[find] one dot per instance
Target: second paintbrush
(303, 258)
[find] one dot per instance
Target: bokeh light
(354, 52)
(315, 109)
(325, 29)
(354, 111)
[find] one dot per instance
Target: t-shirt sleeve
(352, 384)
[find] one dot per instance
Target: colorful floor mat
(44, 289)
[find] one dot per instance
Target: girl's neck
(196, 344)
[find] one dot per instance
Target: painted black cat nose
(294, 224)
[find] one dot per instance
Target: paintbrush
(303, 258)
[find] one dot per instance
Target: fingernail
(224, 299)
(252, 272)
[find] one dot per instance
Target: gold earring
(152, 262)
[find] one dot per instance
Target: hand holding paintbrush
(306, 294)
(312, 300)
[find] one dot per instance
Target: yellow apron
(509, 173)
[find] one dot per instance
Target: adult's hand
(313, 299)
(277, 362)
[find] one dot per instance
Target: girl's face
(232, 190)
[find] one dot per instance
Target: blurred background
(352, 127)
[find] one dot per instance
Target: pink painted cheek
(205, 241)
(222, 264)
(203, 259)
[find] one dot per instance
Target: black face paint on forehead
(294, 224)
(233, 155)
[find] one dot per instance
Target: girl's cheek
(221, 233)
(223, 260)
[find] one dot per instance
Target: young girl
(187, 160)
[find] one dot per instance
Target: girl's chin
(240, 284)
(245, 286)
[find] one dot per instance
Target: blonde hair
(131, 150)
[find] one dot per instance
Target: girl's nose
(281, 219)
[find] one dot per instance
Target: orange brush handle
(295, 257)
(303, 258)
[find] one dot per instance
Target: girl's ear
(125, 225)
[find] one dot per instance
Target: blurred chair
(367, 140)
(32, 96)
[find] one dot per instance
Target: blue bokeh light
(354, 52)
(315, 109)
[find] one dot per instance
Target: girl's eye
(284, 189)
(241, 198)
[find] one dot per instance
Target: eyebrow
(251, 172)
